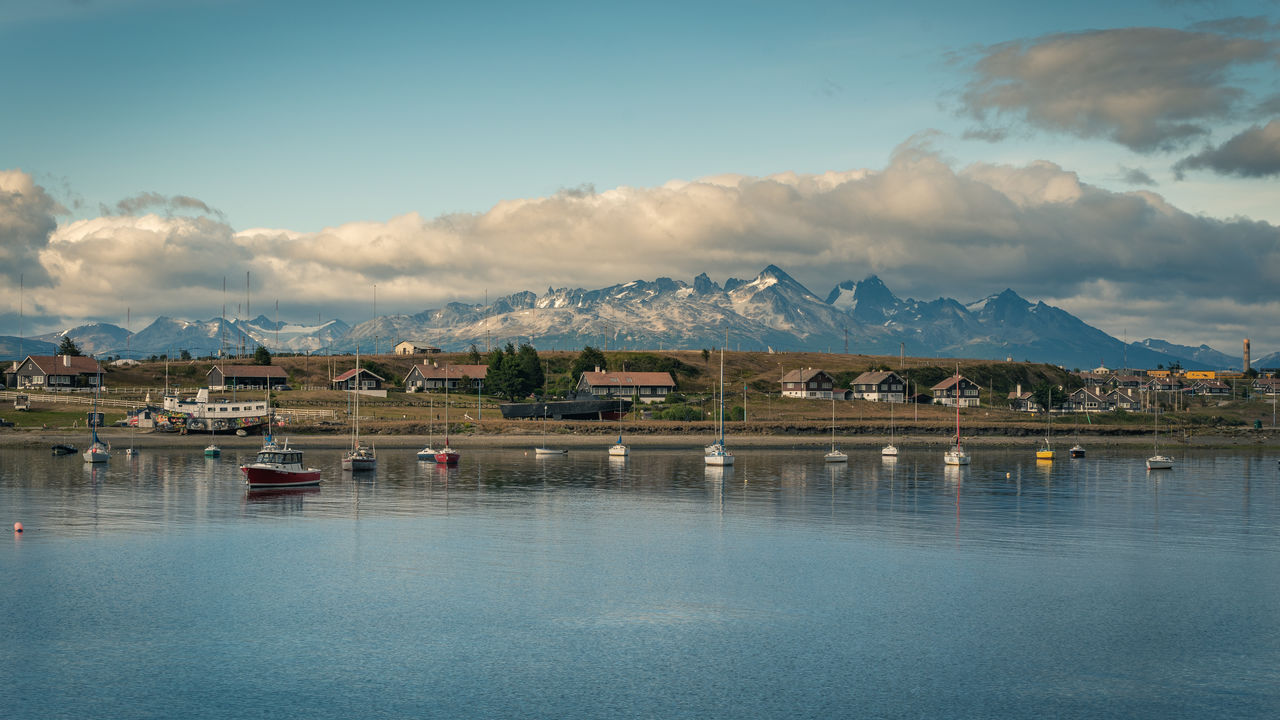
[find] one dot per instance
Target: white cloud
(926, 227)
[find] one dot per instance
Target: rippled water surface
(584, 586)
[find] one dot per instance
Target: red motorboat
(278, 466)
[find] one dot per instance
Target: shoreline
(120, 438)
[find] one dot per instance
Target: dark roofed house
(1024, 401)
(429, 376)
(58, 372)
(648, 387)
(881, 386)
(1212, 388)
(807, 383)
(368, 380)
(245, 377)
(956, 389)
(1089, 399)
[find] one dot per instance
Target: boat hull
(1159, 462)
(1045, 454)
(836, 457)
(549, 451)
(955, 459)
(1077, 452)
(619, 451)
(447, 457)
(260, 477)
(359, 464)
(427, 455)
(96, 456)
(718, 459)
(889, 451)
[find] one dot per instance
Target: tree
(186, 355)
(68, 347)
(589, 359)
(529, 368)
(261, 356)
(473, 355)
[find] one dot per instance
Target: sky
(1118, 160)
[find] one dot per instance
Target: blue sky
(302, 117)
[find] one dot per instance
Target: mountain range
(769, 312)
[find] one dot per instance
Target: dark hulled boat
(582, 406)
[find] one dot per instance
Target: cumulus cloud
(925, 226)
(27, 216)
(1253, 153)
(1148, 89)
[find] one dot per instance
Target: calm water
(578, 587)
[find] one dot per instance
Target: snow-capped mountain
(1203, 354)
(771, 311)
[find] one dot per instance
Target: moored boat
(278, 466)
(98, 451)
(1076, 451)
(64, 449)
(956, 455)
(717, 454)
(834, 455)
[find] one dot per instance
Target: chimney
(1019, 390)
(1246, 355)
(66, 360)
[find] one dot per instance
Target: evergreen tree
(68, 347)
(261, 356)
(589, 359)
(473, 355)
(530, 370)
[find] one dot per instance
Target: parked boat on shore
(200, 414)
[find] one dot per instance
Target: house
(58, 372)
(242, 377)
(1094, 378)
(956, 389)
(429, 376)
(1165, 384)
(1211, 388)
(409, 347)
(1126, 382)
(883, 386)
(366, 380)
(1024, 401)
(1266, 386)
(807, 383)
(1089, 399)
(1126, 400)
(647, 387)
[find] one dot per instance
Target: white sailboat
(1158, 461)
(716, 453)
(890, 450)
(956, 455)
(834, 455)
(618, 449)
(360, 457)
(98, 451)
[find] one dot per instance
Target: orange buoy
(17, 527)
